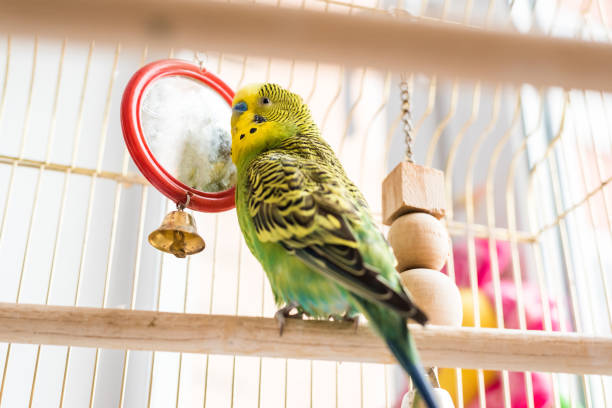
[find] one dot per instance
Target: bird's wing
(304, 207)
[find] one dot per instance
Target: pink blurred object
(534, 313)
(534, 319)
(494, 394)
(542, 392)
(483, 261)
(531, 296)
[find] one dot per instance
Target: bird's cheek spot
(242, 136)
(253, 130)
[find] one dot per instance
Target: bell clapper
(178, 234)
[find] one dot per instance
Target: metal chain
(405, 94)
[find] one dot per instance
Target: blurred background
(527, 180)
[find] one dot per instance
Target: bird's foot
(284, 313)
(351, 319)
(346, 317)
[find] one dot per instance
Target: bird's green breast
(290, 278)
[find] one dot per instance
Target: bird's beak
(239, 108)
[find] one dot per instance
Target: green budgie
(310, 226)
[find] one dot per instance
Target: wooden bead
(419, 241)
(412, 188)
(436, 294)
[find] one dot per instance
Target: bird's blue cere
(240, 107)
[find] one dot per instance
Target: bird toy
(413, 205)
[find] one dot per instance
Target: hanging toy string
(406, 94)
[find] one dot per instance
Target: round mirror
(175, 118)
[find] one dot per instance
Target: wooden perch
(400, 44)
(319, 340)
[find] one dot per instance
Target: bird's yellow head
(263, 115)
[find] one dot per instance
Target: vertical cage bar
(75, 147)
(52, 128)
(212, 284)
(8, 194)
(137, 260)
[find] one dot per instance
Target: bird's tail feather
(415, 371)
(394, 330)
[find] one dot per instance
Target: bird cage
(510, 99)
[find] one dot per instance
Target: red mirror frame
(136, 143)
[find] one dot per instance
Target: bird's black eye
(265, 101)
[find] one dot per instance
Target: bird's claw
(347, 319)
(284, 312)
(351, 319)
(280, 318)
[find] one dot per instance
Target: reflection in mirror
(187, 128)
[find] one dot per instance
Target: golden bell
(177, 235)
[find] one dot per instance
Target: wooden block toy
(412, 188)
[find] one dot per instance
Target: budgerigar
(310, 226)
